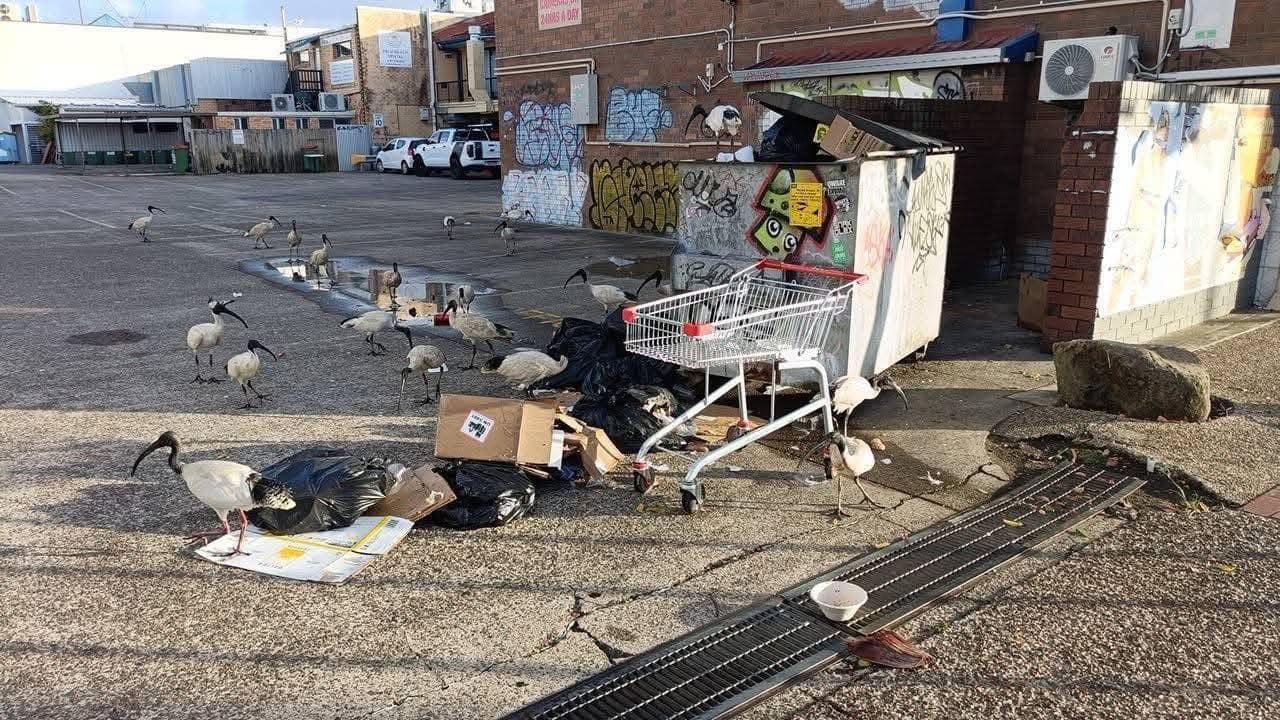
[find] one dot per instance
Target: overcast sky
(312, 13)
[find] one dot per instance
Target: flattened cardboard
(420, 493)
(473, 427)
(844, 140)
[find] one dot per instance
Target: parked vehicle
(459, 150)
(398, 154)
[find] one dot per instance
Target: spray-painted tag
(477, 426)
(839, 255)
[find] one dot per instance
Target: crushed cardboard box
(599, 454)
(331, 556)
(1032, 300)
(419, 493)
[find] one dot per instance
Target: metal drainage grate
(744, 658)
(912, 574)
(721, 668)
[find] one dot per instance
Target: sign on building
(395, 49)
(379, 120)
(342, 72)
(559, 13)
(237, 136)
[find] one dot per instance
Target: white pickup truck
(459, 150)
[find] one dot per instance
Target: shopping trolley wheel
(642, 480)
(692, 502)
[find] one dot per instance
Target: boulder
(1141, 381)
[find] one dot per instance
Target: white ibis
(222, 486)
(847, 454)
(244, 367)
(320, 258)
(448, 223)
(466, 295)
(852, 390)
(295, 239)
(373, 322)
(612, 297)
(391, 280)
(422, 359)
(206, 336)
(525, 367)
(508, 235)
(260, 231)
(142, 224)
(474, 326)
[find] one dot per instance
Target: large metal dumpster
(885, 214)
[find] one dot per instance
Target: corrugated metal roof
(867, 50)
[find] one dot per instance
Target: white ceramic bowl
(839, 600)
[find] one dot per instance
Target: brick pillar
(1080, 217)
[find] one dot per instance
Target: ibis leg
(247, 403)
(197, 379)
(472, 364)
(255, 391)
(212, 379)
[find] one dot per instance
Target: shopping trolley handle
(771, 264)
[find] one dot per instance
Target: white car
(397, 155)
(459, 150)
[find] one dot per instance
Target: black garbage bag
(331, 488)
(624, 420)
(490, 494)
(584, 343)
(790, 139)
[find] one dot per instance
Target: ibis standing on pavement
(847, 454)
(244, 367)
(475, 326)
(373, 322)
(423, 359)
(207, 336)
(142, 224)
(260, 231)
(853, 390)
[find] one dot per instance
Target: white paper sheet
(332, 556)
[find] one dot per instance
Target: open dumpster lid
(888, 137)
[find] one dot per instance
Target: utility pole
(80, 6)
(284, 25)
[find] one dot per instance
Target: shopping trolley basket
(750, 318)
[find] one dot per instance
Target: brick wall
(985, 197)
(394, 92)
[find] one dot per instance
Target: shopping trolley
(750, 318)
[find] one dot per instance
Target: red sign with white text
(559, 13)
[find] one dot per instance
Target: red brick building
(968, 71)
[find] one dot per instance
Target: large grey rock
(1141, 381)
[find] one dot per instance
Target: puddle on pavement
(348, 293)
(107, 337)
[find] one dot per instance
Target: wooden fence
(263, 151)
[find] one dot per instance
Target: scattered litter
(877, 444)
(331, 556)
(928, 476)
(1012, 523)
(1161, 418)
(886, 461)
(882, 545)
(793, 447)
(1113, 461)
(1227, 567)
(1080, 533)
(621, 262)
(236, 294)
(467, 222)
(416, 494)
(735, 468)
(1151, 464)
(660, 468)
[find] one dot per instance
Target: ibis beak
(408, 335)
(581, 273)
(656, 277)
(259, 346)
(166, 440)
(404, 376)
(889, 381)
(226, 311)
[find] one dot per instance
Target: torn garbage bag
(490, 494)
(331, 488)
(623, 417)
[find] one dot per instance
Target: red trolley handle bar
(771, 264)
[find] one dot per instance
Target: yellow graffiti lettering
(629, 196)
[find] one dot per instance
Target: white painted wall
(91, 61)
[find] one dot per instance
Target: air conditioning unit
(331, 102)
(9, 12)
(1068, 67)
(282, 102)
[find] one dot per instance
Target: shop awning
(877, 56)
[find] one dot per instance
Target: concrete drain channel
(742, 659)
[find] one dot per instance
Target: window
(241, 123)
(399, 144)
(302, 57)
(326, 123)
(278, 123)
(342, 50)
(299, 124)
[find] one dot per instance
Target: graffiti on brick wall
(548, 180)
(628, 196)
(636, 115)
(546, 136)
(1189, 200)
(553, 196)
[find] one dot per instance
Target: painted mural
(926, 8)
(548, 177)
(888, 219)
(636, 115)
(634, 197)
(1189, 201)
(936, 84)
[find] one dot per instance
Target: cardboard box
(472, 427)
(420, 492)
(599, 454)
(1032, 297)
(843, 140)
